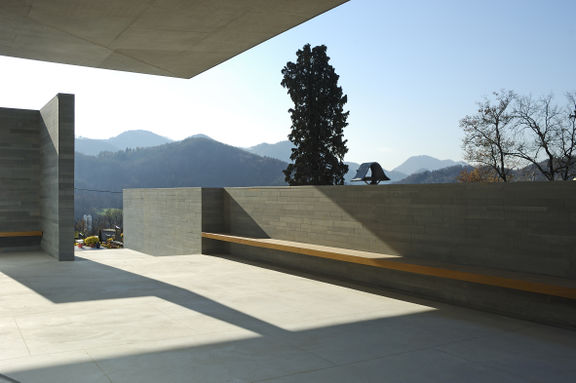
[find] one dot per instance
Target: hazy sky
(411, 70)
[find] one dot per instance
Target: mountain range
(129, 139)
(283, 149)
(413, 165)
(147, 160)
(438, 176)
(195, 161)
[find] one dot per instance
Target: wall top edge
(567, 184)
(164, 189)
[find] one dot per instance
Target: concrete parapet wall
(163, 221)
(527, 227)
(520, 227)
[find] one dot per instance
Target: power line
(99, 191)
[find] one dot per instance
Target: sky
(411, 70)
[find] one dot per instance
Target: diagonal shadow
(255, 358)
(297, 356)
(59, 283)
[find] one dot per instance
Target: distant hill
(196, 161)
(280, 150)
(419, 164)
(440, 176)
(283, 149)
(138, 139)
(528, 173)
(129, 139)
(91, 146)
(352, 168)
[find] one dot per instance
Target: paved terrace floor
(123, 316)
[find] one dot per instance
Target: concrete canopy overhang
(176, 38)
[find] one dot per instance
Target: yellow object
(21, 234)
(91, 241)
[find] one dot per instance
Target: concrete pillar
(57, 177)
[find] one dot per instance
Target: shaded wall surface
(525, 227)
(37, 173)
(163, 221)
(19, 170)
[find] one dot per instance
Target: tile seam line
(21, 335)
(100, 368)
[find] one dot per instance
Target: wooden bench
(15, 234)
(18, 240)
(532, 283)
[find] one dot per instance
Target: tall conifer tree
(318, 120)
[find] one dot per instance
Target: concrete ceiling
(177, 38)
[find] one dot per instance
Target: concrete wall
(57, 177)
(37, 173)
(19, 170)
(163, 221)
(526, 227)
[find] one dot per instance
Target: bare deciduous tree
(567, 140)
(488, 136)
(538, 126)
(511, 131)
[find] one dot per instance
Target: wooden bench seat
(14, 234)
(539, 284)
(19, 240)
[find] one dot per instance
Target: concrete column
(57, 177)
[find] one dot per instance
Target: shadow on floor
(410, 348)
(448, 344)
(58, 282)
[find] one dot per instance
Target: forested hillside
(196, 161)
(441, 176)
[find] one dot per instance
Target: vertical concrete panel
(19, 170)
(163, 221)
(57, 177)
